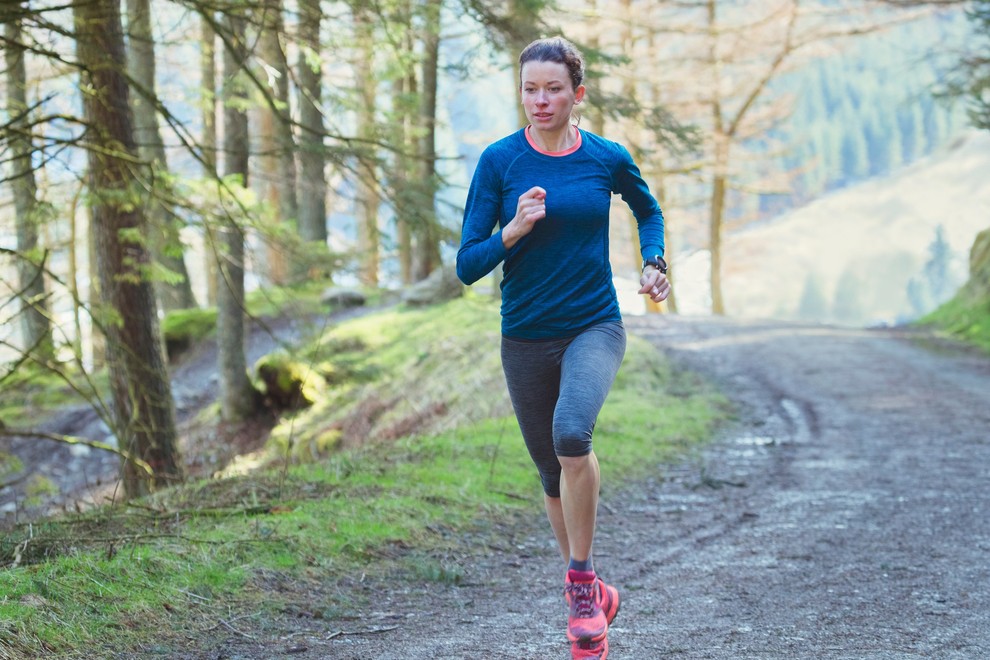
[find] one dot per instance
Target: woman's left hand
(654, 284)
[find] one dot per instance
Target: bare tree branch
(72, 440)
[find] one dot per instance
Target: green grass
(185, 326)
(398, 372)
(298, 299)
(185, 558)
(964, 317)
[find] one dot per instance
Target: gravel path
(845, 514)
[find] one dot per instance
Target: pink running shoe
(609, 600)
(586, 621)
(590, 650)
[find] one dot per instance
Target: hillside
(967, 315)
(859, 255)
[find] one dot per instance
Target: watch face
(657, 262)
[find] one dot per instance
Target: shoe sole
(587, 638)
(603, 656)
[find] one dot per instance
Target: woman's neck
(554, 141)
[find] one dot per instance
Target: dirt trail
(845, 515)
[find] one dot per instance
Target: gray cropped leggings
(557, 388)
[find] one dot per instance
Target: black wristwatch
(657, 262)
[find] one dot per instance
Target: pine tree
(855, 161)
(35, 325)
(937, 267)
(813, 305)
(144, 416)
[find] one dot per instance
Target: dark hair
(555, 49)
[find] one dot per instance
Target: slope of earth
(875, 235)
(80, 476)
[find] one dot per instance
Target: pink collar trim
(574, 147)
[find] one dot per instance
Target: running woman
(548, 188)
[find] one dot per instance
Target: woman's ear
(579, 94)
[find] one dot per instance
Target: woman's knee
(571, 442)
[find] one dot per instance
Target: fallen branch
(513, 496)
(19, 553)
(235, 630)
(192, 595)
(72, 440)
(374, 631)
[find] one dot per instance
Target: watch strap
(657, 262)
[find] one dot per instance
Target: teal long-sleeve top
(557, 279)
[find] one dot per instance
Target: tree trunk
(73, 275)
(368, 198)
(661, 195)
(144, 418)
(236, 393)
(97, 340)
(400, 183)
(715, 236)
(208, 88)
(279, 143)
(275, 265)
(35, 324)
(162, 222)
(726, 125)
(401, 175)
(405, 90)
(426, 255)
(720, 165)
(312, 155)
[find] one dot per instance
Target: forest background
(191, 175)
(166, 156)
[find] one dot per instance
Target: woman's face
(548, 95)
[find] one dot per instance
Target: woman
(548, 187)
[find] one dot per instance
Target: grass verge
(143, 578)
(964, 317)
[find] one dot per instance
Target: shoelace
(582, 598)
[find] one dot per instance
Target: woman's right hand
(531, 208)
